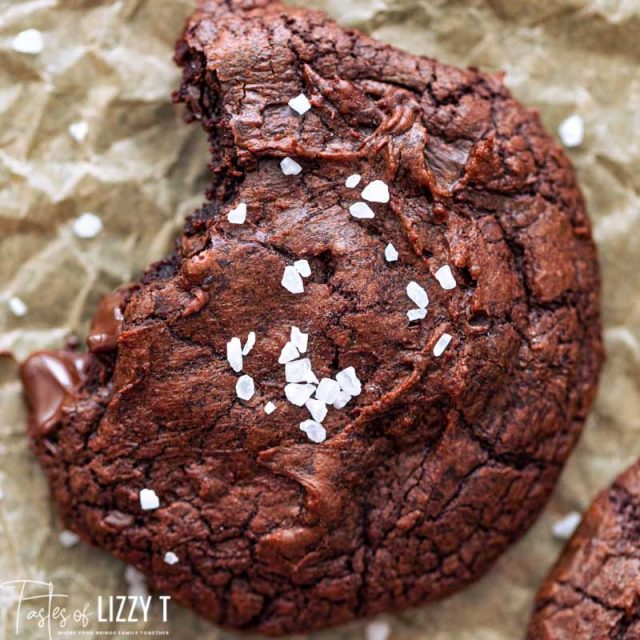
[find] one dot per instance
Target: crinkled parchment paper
(108, 63)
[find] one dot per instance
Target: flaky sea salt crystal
(417, 295)
(298, 370)
(564, 528)
(416, 314)
(298, 394)
(234, 354)
(314, 430)
(17, 306)
(390, 253)
(28, 41)
(68, 538)
(342, 400)
(571, 131)
(136, 583)
(269, 408)
(299, 340)
(238, 215)
(302, 267)
(377, 630)
(317, 409)
(88, 225)
(445, 277)
(376, 191)
(288, 353)
(327, 390)
(348, 381)
(290, 167)
(245, 387)
(249, 344)
(353, 181)
(79, 130)
(441, 345)
(171, 558)
(361, 210)
(300, 104)
(149, 499)
(292, 281)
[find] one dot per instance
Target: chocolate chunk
(443, 435)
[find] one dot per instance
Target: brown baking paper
(108, 63)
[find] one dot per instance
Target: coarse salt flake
(171, 558)
(571, 131)
(149, 499)
(290, 167)
(445, 277)
(298, 370)
(291, 280)
(417, 294)
(416, 314)
(88, 225)
(17, 306)
(299, 340)
(314, 430)
(317, 409)
(361, 210)
(28, 41)
(328, 390)
(348, 381)
(79, 130)
(68, 538)
(342, 400)
(377, 630)
(234, 354)
(302, 267)
(441, 345)
(376, 191)
(300, 104)
(288, 353)
(238, 215)
(564, 528)
(269, 408)
(298, 394)
(249, 344)
(245, 387)
(353, 181)
(390, 253)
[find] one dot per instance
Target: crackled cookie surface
(356, 379)
(593, 590)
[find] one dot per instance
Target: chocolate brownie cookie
(593, 591)
(355, 381)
